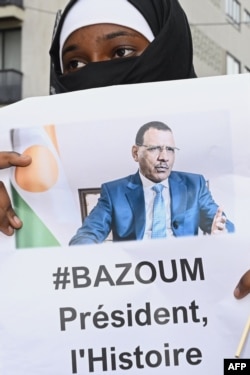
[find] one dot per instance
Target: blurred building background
(221, 35)
(220, 30)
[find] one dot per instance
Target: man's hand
(219, 222)
(8, 218)
(243, 287)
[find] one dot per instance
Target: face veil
(168, 57)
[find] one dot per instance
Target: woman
(112, 42)
(168, 54)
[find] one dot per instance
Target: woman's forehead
(92, 12)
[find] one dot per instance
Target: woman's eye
(123, 52)
(75, 64)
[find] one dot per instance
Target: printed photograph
(143, 178)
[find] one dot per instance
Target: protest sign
(84, 139)
(145, 306)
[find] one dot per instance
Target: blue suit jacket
(121, 208)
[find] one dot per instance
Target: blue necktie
(159, 213)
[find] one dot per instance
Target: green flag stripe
(34, 232)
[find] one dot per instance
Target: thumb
(243, 286)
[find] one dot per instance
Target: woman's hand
(243, 287)
(8, 218)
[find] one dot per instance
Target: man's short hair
(152, 124)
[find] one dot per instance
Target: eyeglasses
(158, 149)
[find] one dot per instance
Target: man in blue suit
(127, 206)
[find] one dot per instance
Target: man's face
(157, 154)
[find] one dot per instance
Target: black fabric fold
(168, 57)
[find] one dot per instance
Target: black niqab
(168, 57)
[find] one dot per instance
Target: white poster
(136, 306)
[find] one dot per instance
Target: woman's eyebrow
(70, 48)
(109, 36)
(116, 34)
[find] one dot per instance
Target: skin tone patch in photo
(41, 174)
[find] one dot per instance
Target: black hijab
(168, 57)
